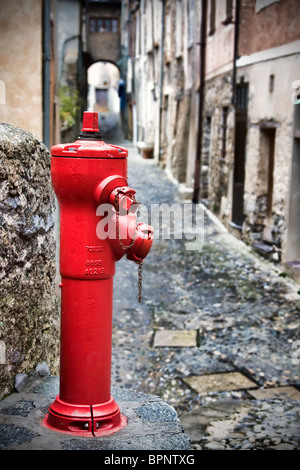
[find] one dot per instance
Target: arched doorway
(104, 89)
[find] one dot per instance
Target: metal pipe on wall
(201, 102)
(161, 76)
(46, 70)
(235, 54)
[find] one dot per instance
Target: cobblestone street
(150, 301)
(214, 335)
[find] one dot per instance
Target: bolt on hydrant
(90, 180)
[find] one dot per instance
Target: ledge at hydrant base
(89, 432)
(84, 420)
(152, 424)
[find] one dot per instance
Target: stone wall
(29, 309)
(216, 167)
(181, 131)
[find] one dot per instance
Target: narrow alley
(230, 368)
(205, 96)
(213, 339)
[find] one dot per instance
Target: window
(104, 25)
(271, 83)
(137, 33)
(179, 33)
(212, 17)
(101, 99)
(168, 38)
(114, 26)
(266, 168)
(260, 4)
(149, 27)
(229, 9)
(191, 19)
(224, 132)
(242, 95)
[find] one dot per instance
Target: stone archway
(103, 79)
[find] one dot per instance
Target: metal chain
(140, 275)
(126, 247)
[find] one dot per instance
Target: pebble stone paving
(214, 333)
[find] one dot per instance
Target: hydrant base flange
(84, 420)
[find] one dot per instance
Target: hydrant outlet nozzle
(143, 242)
(114, 190)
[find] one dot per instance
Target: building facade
(268, 66)
(21, 64)
(214, 91)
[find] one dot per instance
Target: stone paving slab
(219, 382)
(175, 338)
(287, 393)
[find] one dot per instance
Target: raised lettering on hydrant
(86, 175)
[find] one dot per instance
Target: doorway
(241, 126)
(293, 234)
(265, 181)
(104, 98)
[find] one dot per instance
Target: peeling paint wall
(21, 64)
(268, 27)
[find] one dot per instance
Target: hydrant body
(86, 174)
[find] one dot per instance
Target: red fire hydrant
(85, 175)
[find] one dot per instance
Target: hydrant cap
(90, 122)
(89, 143)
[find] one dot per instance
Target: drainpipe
(201, 102)
(87, 26)
(161, 76)
(235, 53)
(46, 71)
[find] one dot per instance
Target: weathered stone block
(29, 310)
